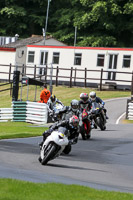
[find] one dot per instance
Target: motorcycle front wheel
(84, 135)
(100, 123)
(67, 149)
(49, 153)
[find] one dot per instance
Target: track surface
(103, 162)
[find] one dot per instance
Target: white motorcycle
(54, 145)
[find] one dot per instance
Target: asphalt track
(104, 162)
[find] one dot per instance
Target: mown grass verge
(65, 94)
(20, 190)
(19, 130)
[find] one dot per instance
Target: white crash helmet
(92, 96)
(74, 105)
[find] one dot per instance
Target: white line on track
(117, 121)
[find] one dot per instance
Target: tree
(98, 22)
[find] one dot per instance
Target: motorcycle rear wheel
(49, 154)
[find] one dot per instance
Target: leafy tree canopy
(98, 22)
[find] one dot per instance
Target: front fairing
(96, 109)
(57, 138)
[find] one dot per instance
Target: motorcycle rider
(71, 110)
(84, 102)
(71, 124)
(51, 103)
(94, 98)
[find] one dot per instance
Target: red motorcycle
(85, 125)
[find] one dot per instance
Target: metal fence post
(75, 76)
(57, 71)
(10, 67)
(46, 74)
(101, 79)
(35, 71)
(85, 76)
(71, 72)
(51, 75)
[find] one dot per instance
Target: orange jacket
(44, 95)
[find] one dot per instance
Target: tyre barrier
(25, 111)
(130, 111)
(6, 114)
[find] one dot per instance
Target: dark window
(77, 59)
(56, 57)
(44, 58)
(126, 61)
(31, 56)
(100, 60)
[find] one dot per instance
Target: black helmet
(53, 97)
(74, 105)
(74, 121)
(84, 97)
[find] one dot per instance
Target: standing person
(44, 95)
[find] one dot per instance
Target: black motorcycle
(98, 115)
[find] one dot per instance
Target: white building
(32, 52)
(15, 53)
(111, 60)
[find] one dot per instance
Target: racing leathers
(73, 132)
(51, 106)
(68, 112)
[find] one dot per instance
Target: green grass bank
(21, 190)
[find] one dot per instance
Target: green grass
(65, 94)
(19, 130)
(21, 190)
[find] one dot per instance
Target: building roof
(34, 39)
(23, 42)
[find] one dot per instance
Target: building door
(43, 62)
(112, 66)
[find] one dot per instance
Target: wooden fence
(72, 76)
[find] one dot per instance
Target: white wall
(89, 60)
(6, 58)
